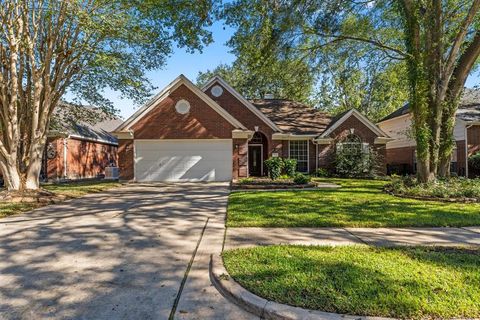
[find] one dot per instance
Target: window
(299, 151)
(352, 145)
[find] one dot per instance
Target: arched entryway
(257, 153)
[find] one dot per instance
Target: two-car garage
(183, 160)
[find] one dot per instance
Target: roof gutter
(291, 136)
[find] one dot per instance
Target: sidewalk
(245, 237)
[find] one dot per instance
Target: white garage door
(180, 160)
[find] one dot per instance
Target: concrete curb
(263, 308)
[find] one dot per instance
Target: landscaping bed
(448, 190)
(267, 183)
(53, 193)
(358, 203)
(406, 282)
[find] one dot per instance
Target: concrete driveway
(123, 254)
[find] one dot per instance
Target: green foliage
(274, 166)
(290, 166)
(356, 162)
(322, 173)
(301, 178)
(452, 188)
(404, 282)
(474, 161)
(285, 79)
(246, 180)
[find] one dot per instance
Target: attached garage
(183, 160)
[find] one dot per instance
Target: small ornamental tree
(290, 166)
(356, 162)
(49, 47)
(274, 166)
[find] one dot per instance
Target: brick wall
(87, 159)
(240, 158)
(402, 160)
(125, 159)
(326, 153)
(164, 122)
(240, 112)
(473, 136)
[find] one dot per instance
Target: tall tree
(50, 46)
(286, 79)
(439, 40)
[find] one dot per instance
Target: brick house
(187, 133)
(80, 150)
(401, 154)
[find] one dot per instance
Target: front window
(352, 145)
(299, 152)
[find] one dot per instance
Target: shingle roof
(293, 117)
(100, 130)
(469, 109)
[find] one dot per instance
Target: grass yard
(407, 282)
(359, 203)
(70, 190)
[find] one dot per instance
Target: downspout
(466, 150)
(316, 156)
(65, 141)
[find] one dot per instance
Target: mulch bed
(263, 183)
(40, 196)
(446, 200)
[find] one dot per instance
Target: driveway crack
(185, 276)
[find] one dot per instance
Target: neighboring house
(401, 154)
(186, 133)
(79, 150)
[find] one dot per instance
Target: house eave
(291, 136)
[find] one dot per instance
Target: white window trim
(308, 153)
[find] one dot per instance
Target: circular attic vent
(217, 91)
(182, 106)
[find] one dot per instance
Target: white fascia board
(125, 135)
(78, 137)
(244, 101)
(290, 136)
(323, 140)
(166, 92)
(360, 117)
(383, 140)
(396, 118)
(242, 134)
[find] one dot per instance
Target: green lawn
(70, 190)
(413, 283)
(359, 203)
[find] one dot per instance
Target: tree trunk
(11, 176)
(444, 167)
(32, 179)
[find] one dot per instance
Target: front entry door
(255, 160)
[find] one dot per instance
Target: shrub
(356, 162)
(246, 180)
(321, 173)
(447, 188)
(274, 166)
(290, 166)
(301, 179)
(474, 161)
